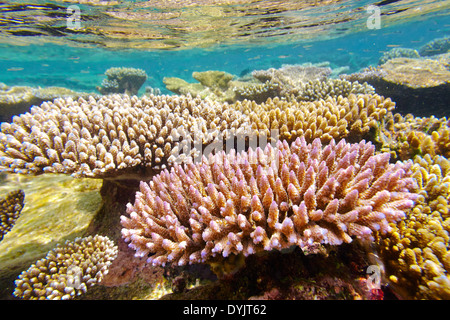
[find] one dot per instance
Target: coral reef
(58, 208)
(435, 47)
(416, 251)
(115, 135)
(356, 117)
(123, 80)
(292, 82)
(11, 206)
(18, 99)
(275, 198)
(68, 270)
(419, 86)
(213, 78)
(398, 53)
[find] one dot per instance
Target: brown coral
(10, 207)
(244, 203)
(68, 270)
(316, 90)
(115, 135)
(407, 136)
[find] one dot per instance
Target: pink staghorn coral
(274, 198)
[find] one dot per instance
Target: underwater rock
(10, 207)
(19, 99)
(418, 86)
(291, 275)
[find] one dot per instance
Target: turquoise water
(81, 67)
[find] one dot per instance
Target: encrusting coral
(123, 80)
(10, 207)
(68, 270)
(300, 194)
(112, 136)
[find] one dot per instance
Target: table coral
(10, 207)
(416, 251)
(112, 136)
(299, 194)
(68, 270)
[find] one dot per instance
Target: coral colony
(267, 199)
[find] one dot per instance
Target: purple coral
(274, 198)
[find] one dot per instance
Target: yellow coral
(416, 251)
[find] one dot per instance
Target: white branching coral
(299, 194)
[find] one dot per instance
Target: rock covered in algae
(58, 208)
(10, 207)
(68, 270)
(420, 86)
